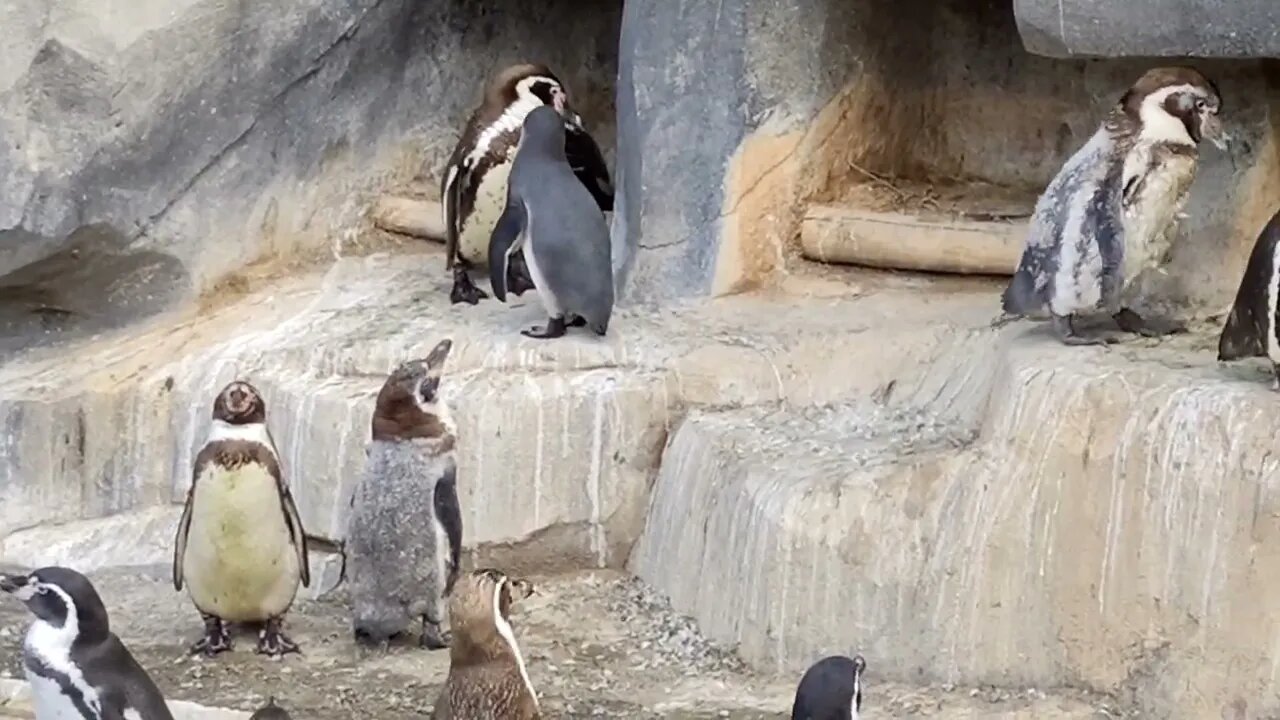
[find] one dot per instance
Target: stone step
(15, 702)
(1105, 519)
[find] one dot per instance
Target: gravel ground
(598, 644)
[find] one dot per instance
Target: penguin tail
(1020, 297)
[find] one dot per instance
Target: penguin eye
(1200, 104)
(42, 590)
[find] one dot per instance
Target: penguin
(474, 186)
(831, 689)
(487, 675)
(551, 220)
(270, 711)
(1251, 329)
(404, 533)
(76, 666)
(240, 549)
(1112, 209)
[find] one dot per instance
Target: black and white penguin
(240, 548)
(474, 188)
(270, 711)
(1112, 210)
(77, 667)
(404, 535)
(551, 220)
(831, 689)
(1251, 329)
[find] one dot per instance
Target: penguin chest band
(240, 562)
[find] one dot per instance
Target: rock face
(146, 149)
(1150, 28)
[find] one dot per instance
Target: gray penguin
(560, 231)
(76, 666)
(404, 535)
(1112, 209)
(1251, 329)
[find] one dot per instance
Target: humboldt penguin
(551, 220)
(1251, 329)
(831, 689)
(76, 666)
(1112, 209)
(241, 549)
(487, 675)
(404, 535)
(474, 188)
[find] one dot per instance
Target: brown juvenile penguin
(474, 189)
(240, 548)
(1112, 210)
(487, 676)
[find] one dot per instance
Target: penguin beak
(1213, 131)
(12, 583)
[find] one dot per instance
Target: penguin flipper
(449, 514)
(449, 193)
(588, 164)
(184, 528)
(504, 241)
(297, 535)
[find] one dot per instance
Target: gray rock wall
(146, 149)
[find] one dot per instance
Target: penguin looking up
(551, 220)
(404, 534)
(76, 666)
(1112, 209)
(487, 675)
(240, 547)
(1251, 329)
(474, 189)
(831, 689)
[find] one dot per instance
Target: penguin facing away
(76, 666)
(551, 220)
(1251, 329)
(240, 549)
(270, 711)
(404, 534)
(487, 675)
(474, 186)
(831, 689)
(1112, 209)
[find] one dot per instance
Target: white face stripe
(52, 645)
(853, 702)
(1273, 297)
(1157, 124)
(512, 119)
(504, 629)
(252, 432)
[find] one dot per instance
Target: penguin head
(543, 134)
(532, 83)
(1168, 99)
(62, 598)
(239, 403)
(480, 612)
(408, 405)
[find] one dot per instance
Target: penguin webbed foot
(464, 291)
(434, 637)
(576, 321)
(553, 329)
(518, 280)
(216, 638)
(1131, 322)
(273, 642)
(1064, 328)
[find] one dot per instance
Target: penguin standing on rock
(831, 689)
(487, 675)
(1112, 210)
(76, 666)
(474, 189)
(551, 220)
(1251, 329)
(404, 535)
(240, 548)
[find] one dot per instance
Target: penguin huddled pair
(76, 666)
(525, 193)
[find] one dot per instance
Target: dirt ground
(598, 644)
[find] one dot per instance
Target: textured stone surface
(149, 148)
(1150, 28)
(1042, 517)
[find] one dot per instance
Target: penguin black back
(270, 711)
(831, 689)
(1251, 324)
(76, 666)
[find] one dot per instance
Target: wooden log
(902, 241)
(410, 216)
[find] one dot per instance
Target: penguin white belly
(549, 301)
(49, 701)
(240, 564)
(1150, 225)
(491, 200)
